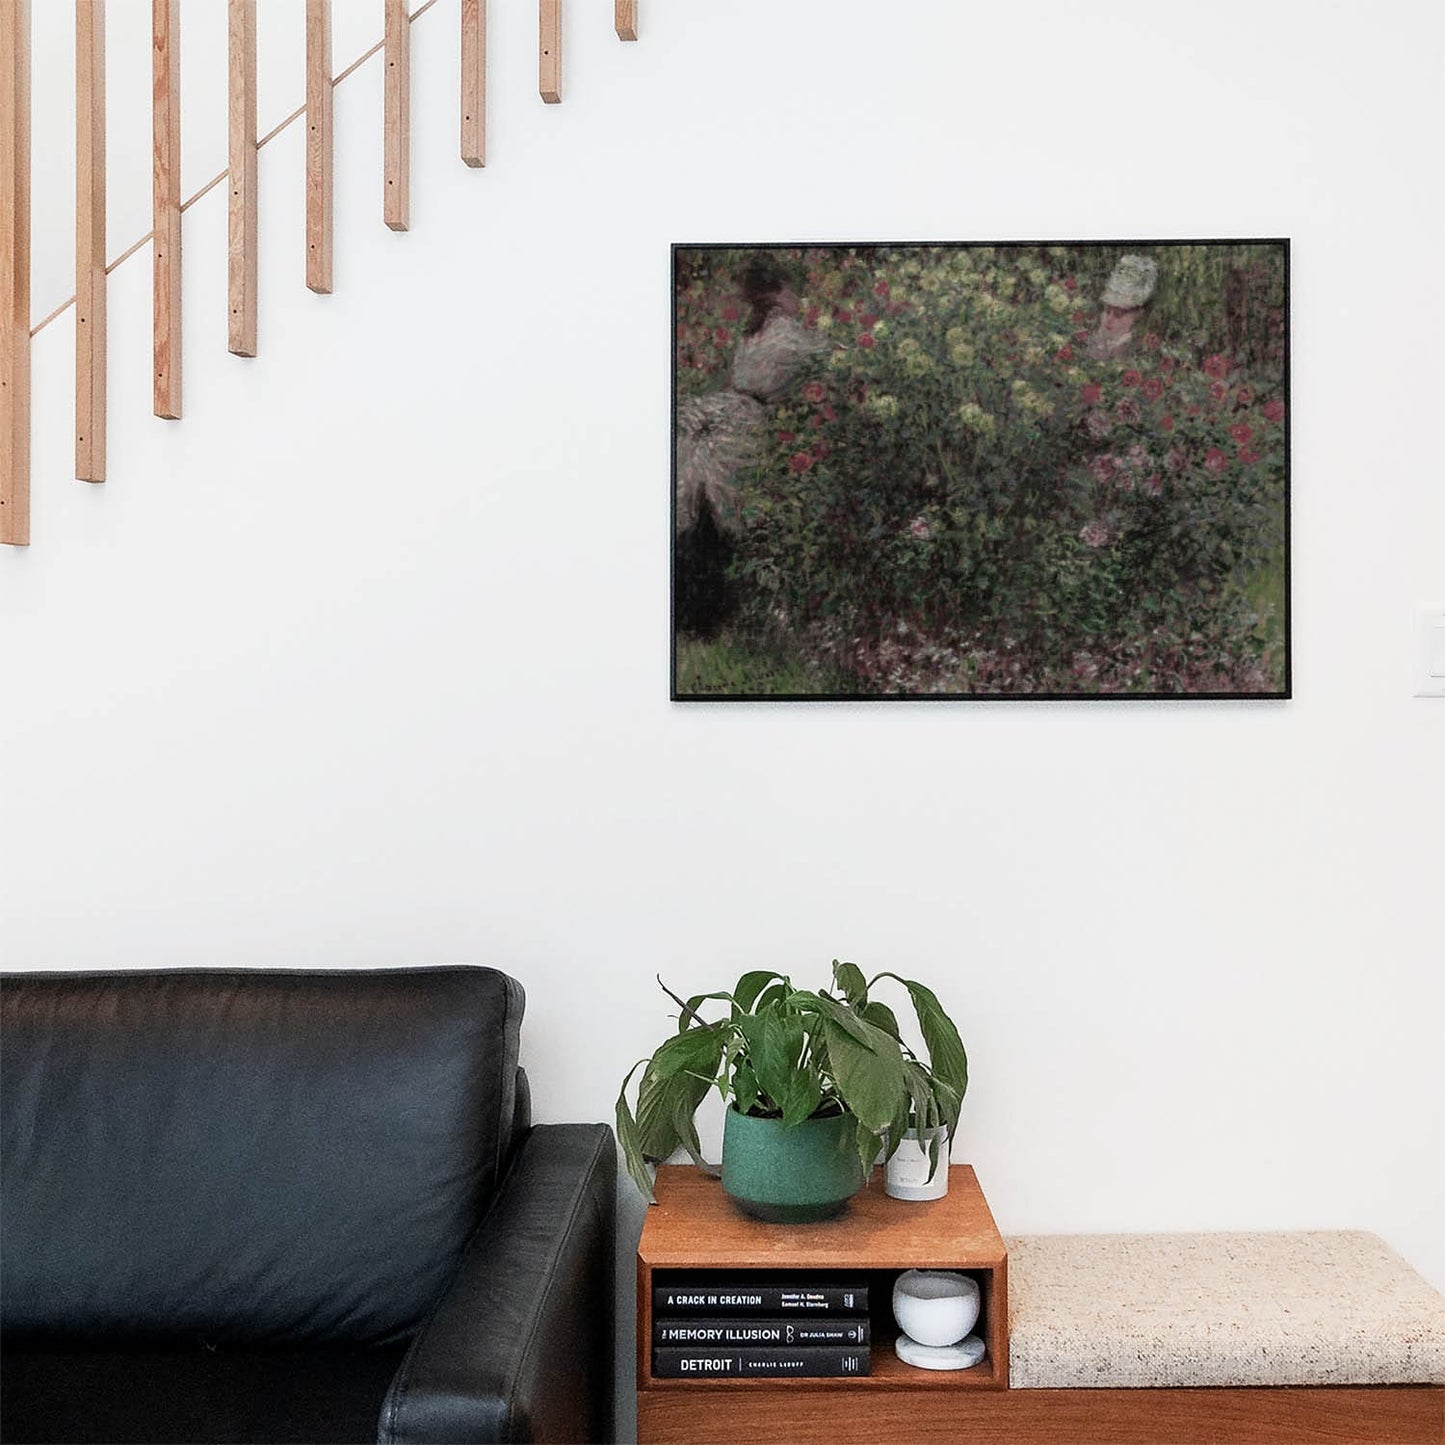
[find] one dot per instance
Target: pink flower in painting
(1098, 424)
(730, 313)
(1216, 366)
(786, 436)
(1153, 388)
(1070, 283)
(1081, 337)
(1218, 391)
(1131, 377)
(722, 336)
(1091, 393)
(1243, 395)
(1064, 353)
(1079, 318)
(800, 461)
(829, 414)
(1274, 410)
(1103, 469)
(814, 392)
(1166, 364)
(1151, 341)
(921, 528)
(866, 342)
(1094, 534)
(1247, 457)
(1240, 432)
(1176, 461)
(868, 321)
(1128, 411)
(1215, 460)
(811, 319)
(881, 289)
(1166, 423)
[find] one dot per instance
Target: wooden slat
(625, 19)
(318, 146)
(15, 272)
(549, 50)
(474, 82)
(397, 101)
(930, 1412)
(90, 288)
(243, 215)
(166, 203)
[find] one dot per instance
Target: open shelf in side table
(695, 1227)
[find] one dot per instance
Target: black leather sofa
(293, 1206)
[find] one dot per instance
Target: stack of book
(759, 1328)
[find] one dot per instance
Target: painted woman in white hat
(1127, 294)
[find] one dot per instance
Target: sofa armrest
(520, 1347)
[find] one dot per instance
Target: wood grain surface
(90, 273)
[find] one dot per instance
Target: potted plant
(817, 1082)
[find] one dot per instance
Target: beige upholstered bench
(1223, 1337)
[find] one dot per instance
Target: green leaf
(630, 1138)
(745, 1087)
(945, 1049)
(849, 980)
(661, 1103)
(881, 1016)
(868, 1143)
(839, 1014)
(774, 993)
(696, 1050)
(923, 1108)
(804, 1094)
(750, 985)
(677, 1077)
(869, 1075)
(775, 1047)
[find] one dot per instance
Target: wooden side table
(695, 1226)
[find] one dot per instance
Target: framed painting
(1022, 470)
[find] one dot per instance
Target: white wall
(366, 660)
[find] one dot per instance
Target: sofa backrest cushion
(246, 1156)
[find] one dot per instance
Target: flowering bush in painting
(963, 499)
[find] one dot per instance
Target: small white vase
(905, 1176)
(935, 1307)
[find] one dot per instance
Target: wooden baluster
(243, 218)
(625, 19)
(318, 146)
(15, 272)
(549, 50)
(90, 288)
(397, 104)
(474, 82)
(166, 204)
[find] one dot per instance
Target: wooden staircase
(168, 205)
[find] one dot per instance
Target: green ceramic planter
(791, 1176)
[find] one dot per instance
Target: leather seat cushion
(220, 1157)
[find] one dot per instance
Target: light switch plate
(1431, 664)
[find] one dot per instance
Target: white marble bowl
(935, 1306)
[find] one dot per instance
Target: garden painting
(981, 471)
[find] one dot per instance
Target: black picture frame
(931, 471)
